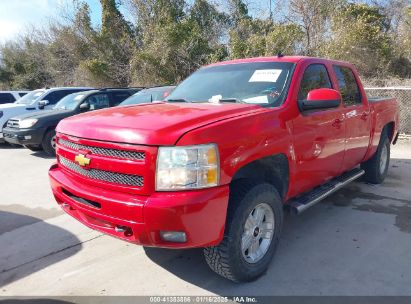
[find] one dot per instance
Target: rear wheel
(33, 147)
(253, 228)
(49, 143)
(376, 167)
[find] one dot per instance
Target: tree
(24, 65)
(360, 35)
(174, 41)
(313, 17)
(252, 38)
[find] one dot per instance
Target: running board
(309, 199)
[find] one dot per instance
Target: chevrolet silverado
(217, 163)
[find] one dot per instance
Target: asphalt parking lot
(356, 242)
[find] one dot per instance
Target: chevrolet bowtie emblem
(82, 160)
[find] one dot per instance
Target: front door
(319, 136)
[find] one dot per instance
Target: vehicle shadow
(28, 244)
(42, 154)
(5, 146)
(191, 266)
(322, 249)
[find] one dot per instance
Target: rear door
(319, 136)
(357, 116)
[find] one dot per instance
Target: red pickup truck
(216, 163)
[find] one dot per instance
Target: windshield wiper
(233, 100)
(177, 100)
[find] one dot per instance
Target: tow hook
(120, 228)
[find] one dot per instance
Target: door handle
(364, 116)
(337, 123)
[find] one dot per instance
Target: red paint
(318, 146)
(323, 94)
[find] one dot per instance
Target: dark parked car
(36, 131)
(149, 95)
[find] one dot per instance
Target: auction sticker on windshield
(270, 75)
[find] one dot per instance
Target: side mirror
(42, 104)
(85, 106)
(320, 99)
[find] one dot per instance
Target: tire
(228, 259)
(33, 147)
(48, 143)
(376, 167)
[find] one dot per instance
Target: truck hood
(149, 124)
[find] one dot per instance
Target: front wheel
(49, 143)
(252, 233)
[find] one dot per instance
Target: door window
(315, 77)
(118, 97)
(54, 97)
(98, 101)
(6, 98)
(350, 92)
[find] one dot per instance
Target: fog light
(173, 236)
(27, 137)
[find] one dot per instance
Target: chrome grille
(13, 123)
(104, 151)
(106, 176)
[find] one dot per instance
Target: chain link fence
(403, 95)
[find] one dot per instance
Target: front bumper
(201, 214)
(23, 136)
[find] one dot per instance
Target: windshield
(31, 97)
(147, 95)
(69, 102)
(256, 82)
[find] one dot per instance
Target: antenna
(280, 54)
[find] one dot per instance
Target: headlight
(27, 123)
(192, 167)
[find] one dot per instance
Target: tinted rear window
(349, 89)
(6, 98)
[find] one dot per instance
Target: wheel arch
(390, 127)
(272, 169)
(49, 128)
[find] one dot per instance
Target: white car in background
(11, 96)
(36, 100)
